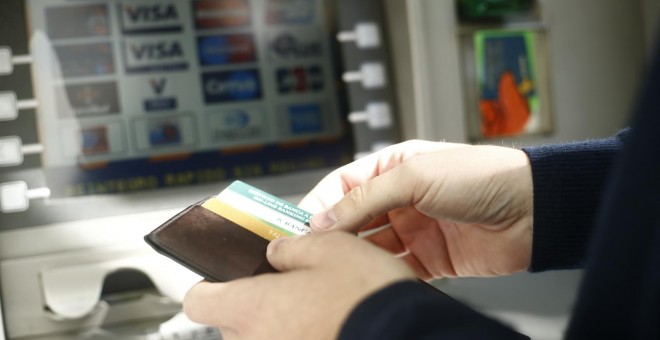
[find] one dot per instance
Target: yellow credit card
(260, 212)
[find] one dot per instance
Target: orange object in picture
(506, 80)
(507, 115)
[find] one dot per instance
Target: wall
(595, 61)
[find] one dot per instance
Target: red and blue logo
(299, 79)
(226, 49)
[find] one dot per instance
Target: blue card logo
(226, 49)
(239, 85)
(237, 124)
(237, 119)
(164, 133)
(305, 118)
(95, 140)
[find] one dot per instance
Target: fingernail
(274, 244)
(324, 220)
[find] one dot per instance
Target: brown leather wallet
(211, 245)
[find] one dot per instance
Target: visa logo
(236, 85)
(158, 85)
(160, 102)
(150, 17)
(151, 13)
(160, 50)
(147, 55)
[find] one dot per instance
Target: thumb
(293, 253)
(377, 196)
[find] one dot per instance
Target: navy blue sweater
(596, 206)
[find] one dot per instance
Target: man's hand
(323, 277)
(454, 209)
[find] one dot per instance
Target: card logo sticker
(226, 49)
(154, 54)
(81, 60)
(77, 21)
(237, 125)
(288, 45)
(305, 118)
(150, 17)
(91, 99)
(299, 79)
(290, 11)
(209, 14)
(160, 102)
(227, 86)
(95, 140)
(163, 133)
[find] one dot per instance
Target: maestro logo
(226, 49)
(237, 85)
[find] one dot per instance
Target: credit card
(260, 212)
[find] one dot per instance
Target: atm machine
(116, 114)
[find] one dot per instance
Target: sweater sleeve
(568, 182)
(415, 310)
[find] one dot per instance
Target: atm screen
(137, 95)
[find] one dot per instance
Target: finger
(387, 239)
(286, 254)
(391, 190)
(417, 267)
(216, 304)
(378, 222)
(335, 185)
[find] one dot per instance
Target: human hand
(323, 277)
(454, 209)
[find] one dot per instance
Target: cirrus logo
(288, 46)
(238, 85)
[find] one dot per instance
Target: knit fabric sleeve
(568, 181)
(415, 310)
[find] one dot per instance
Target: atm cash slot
(97, 294)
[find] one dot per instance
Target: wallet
(211, 245)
